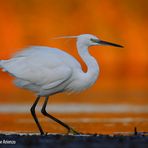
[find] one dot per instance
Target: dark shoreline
(70, 141)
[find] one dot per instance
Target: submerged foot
(42, 133)
(71, 131)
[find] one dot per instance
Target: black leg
(44, 112)
(34, 115)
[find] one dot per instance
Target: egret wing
(40, 67)
(53, 84)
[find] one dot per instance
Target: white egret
(48, 71)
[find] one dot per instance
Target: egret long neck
(92, 65)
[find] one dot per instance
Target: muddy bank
(68, 141)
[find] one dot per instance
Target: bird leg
(44, 112)
(34, 115)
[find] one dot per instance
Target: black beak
(109, 44)
(106, 43)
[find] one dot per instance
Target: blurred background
(124, 72)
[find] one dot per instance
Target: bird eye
(94, 40)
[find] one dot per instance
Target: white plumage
(40, 68)
(47, 71)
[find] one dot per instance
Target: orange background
(124, 72)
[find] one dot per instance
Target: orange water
(92, 123)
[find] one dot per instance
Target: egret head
(91, 40)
